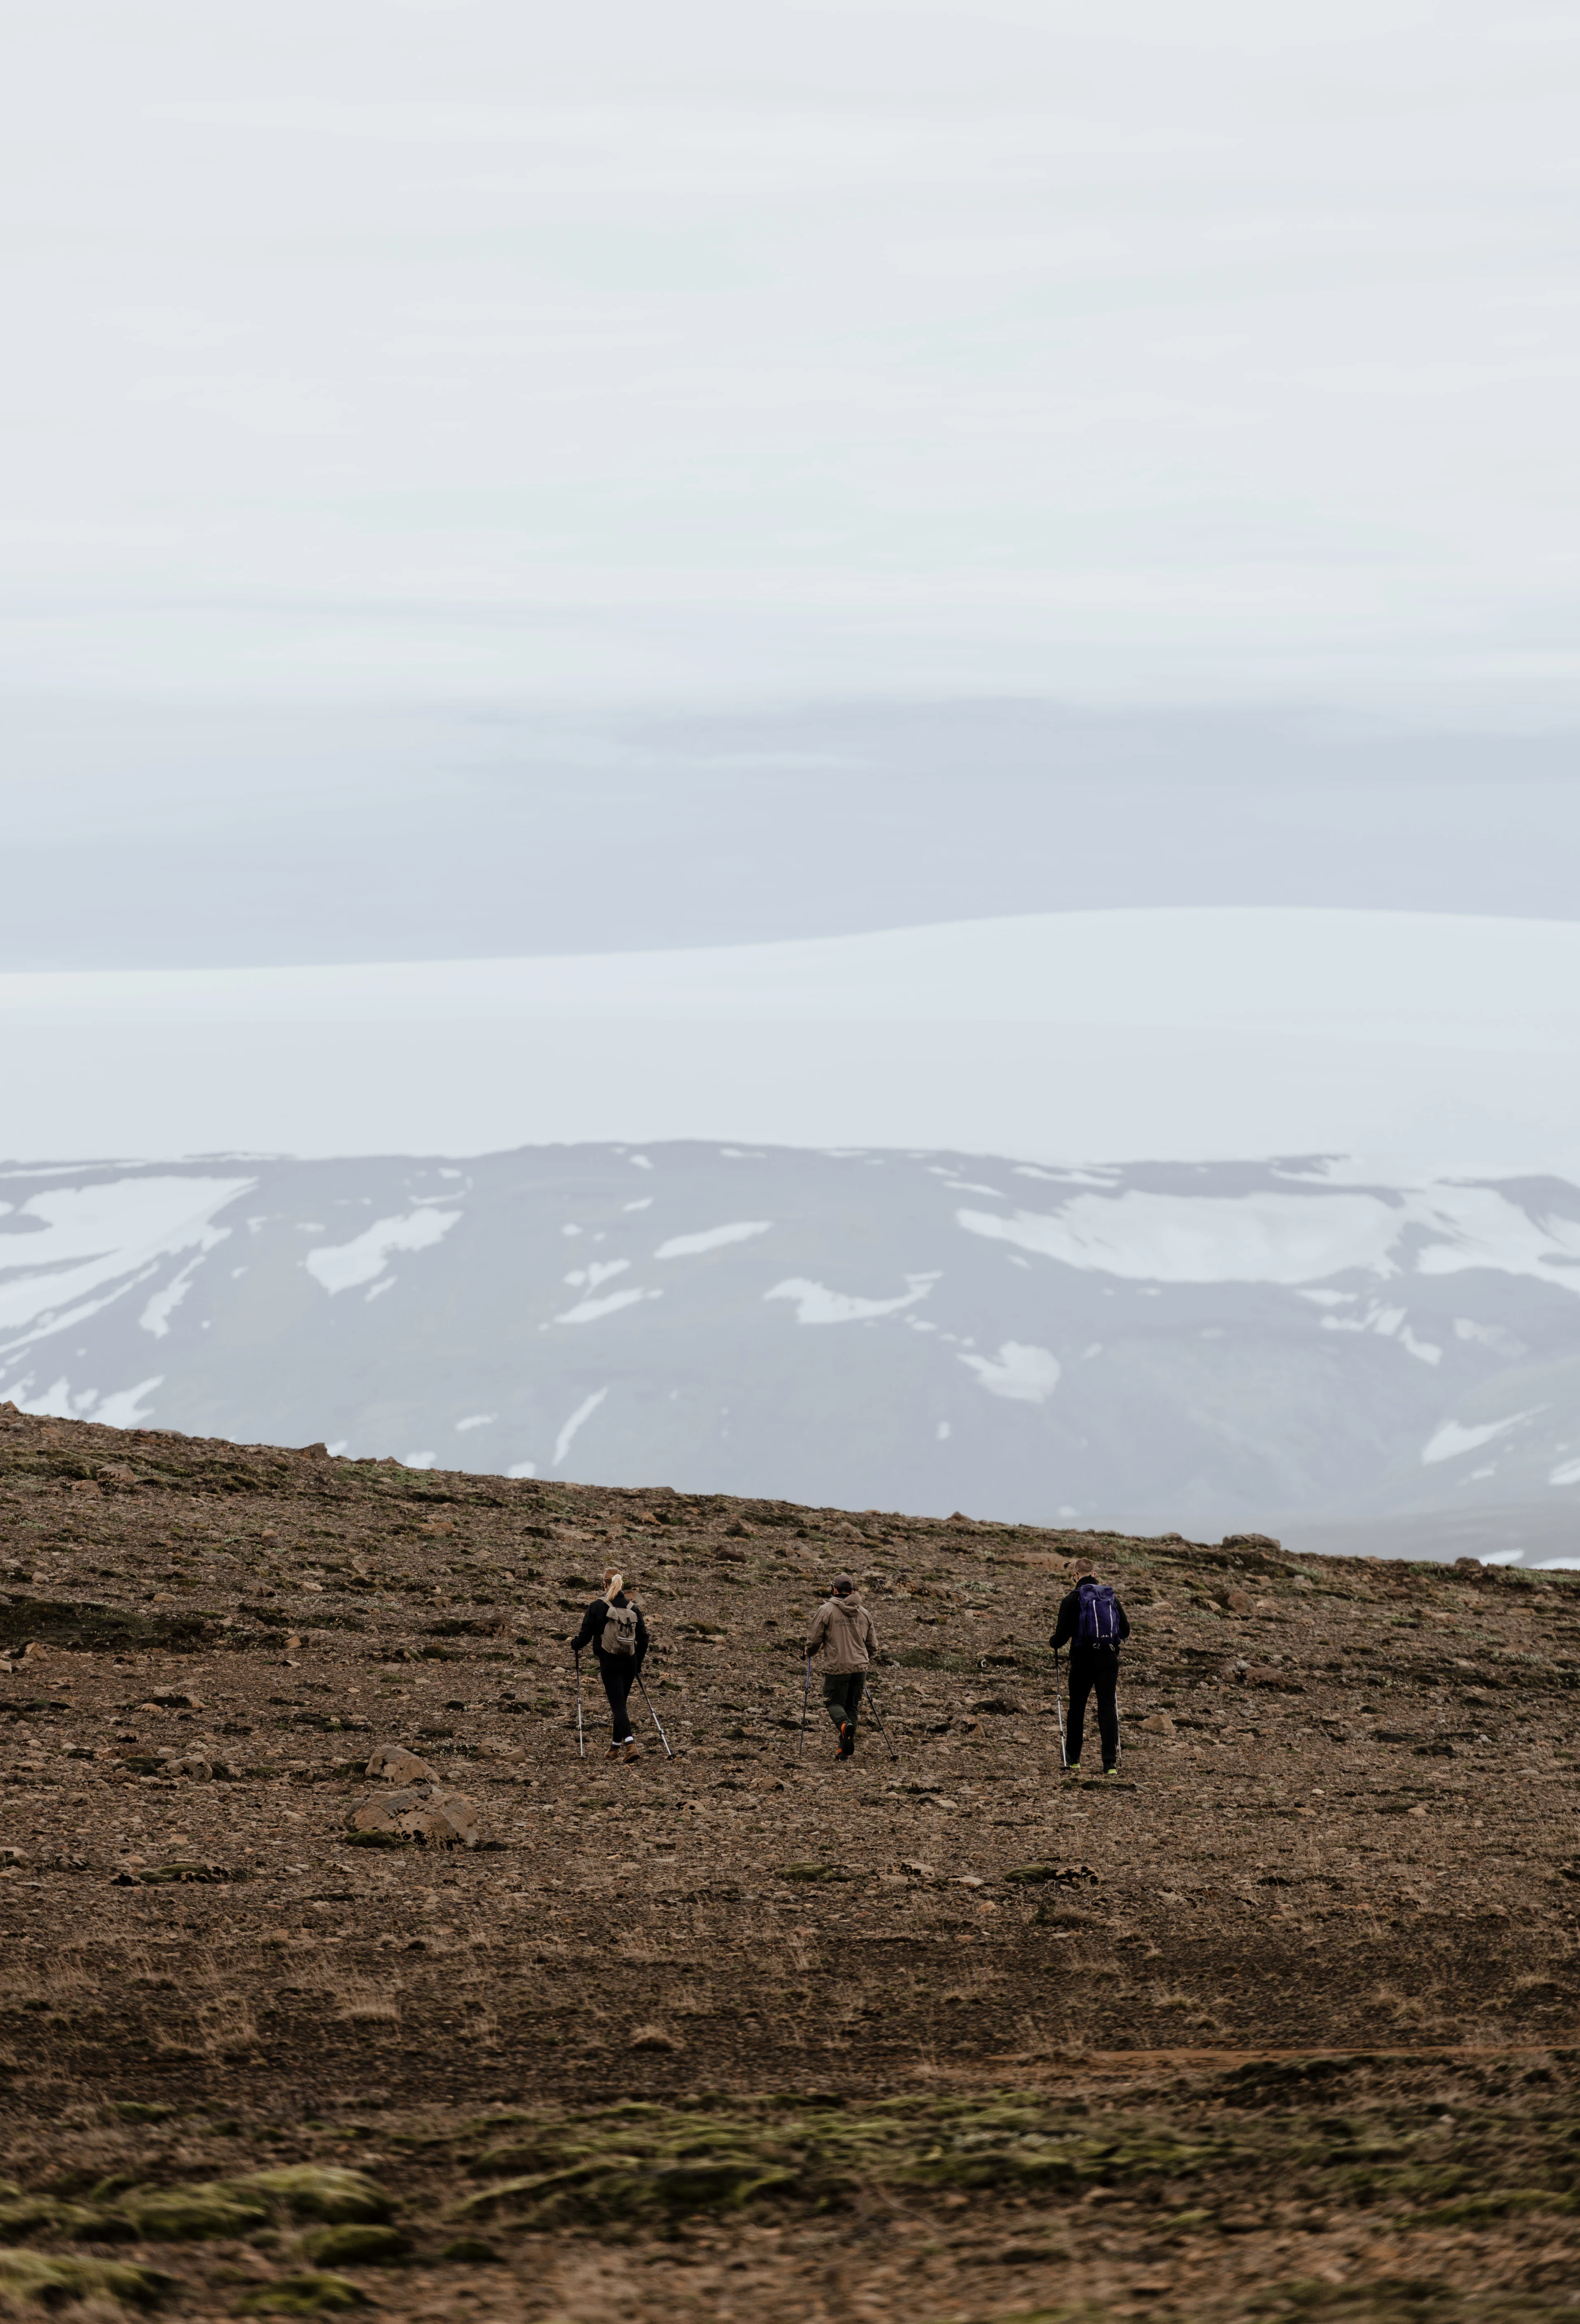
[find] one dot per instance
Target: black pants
(842, 1698)
(618, 1673)
(1099, 1671)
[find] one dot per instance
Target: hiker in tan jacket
(841, 1631)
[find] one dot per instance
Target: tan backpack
(619, 1630)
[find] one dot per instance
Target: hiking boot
(616, 1750)
(1072, 1768)
(628, 1749)
(847, 1741)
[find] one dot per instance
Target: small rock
(396, 1765)
(1157, 1722)
(652, 2037)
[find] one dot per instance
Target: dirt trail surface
(1280, 2020)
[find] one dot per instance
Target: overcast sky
(483, 477)
(482, 351)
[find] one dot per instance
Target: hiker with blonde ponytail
(612, 1625)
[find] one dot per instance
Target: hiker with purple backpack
(1092, 1624)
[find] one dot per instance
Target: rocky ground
(1280, 2020)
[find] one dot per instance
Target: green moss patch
(312, 2293)
(193, 2214)
(27, 2216)
(644, 2166)
(357, 2247)
(40, 2280)
(1497, 2203)
(321, 2190)
(204, 2211)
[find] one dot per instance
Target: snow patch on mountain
(1453, 1440)
(689, 1246)
(1025, 1375)
(816, 1304)
(65, 1244)
(578, 1420)
(593, 1311)
(1268, 1237)
(341, 1267)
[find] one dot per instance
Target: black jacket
(1067, 1629)
(592, 1630)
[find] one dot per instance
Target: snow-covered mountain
(1199, 1345)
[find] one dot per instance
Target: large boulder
(436, 1819)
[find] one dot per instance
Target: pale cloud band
(499, 355)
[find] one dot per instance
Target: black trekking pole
(581, 1739)
(1059, 1707)
(648, 1699)
(882, 1730)
(805, 1698)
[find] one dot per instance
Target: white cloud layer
(482, 352)
(1435, 1043)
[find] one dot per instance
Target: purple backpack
(1099, 1616)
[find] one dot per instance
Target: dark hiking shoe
(847, 1741)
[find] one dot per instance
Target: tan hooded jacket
(843, 1628)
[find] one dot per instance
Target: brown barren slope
(1282, 2022)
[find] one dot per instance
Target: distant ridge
(1283, 1348)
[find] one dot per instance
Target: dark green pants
(843, 1697)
